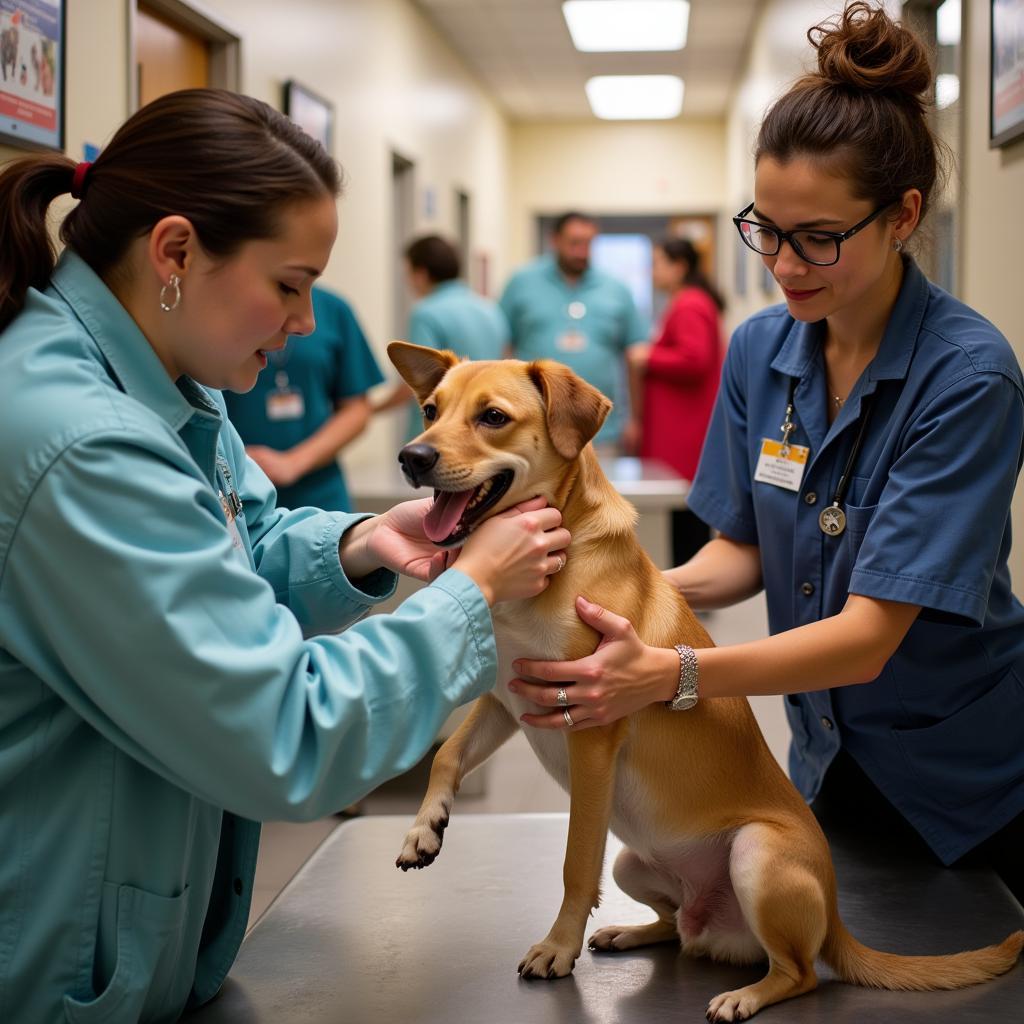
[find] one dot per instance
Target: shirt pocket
(148, 947)
(975, 751)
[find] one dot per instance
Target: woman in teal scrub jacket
(881, 541)
(169, 669)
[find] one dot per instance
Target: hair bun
(866, 49)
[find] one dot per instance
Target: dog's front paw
(422, 845)
(732, 1006)
(548, 960)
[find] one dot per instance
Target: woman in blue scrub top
(881, 536)
(171, 669)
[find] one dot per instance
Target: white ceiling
(522, 51)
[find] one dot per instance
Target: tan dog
(733, 862)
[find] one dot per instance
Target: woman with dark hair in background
(674, 381)
(170, 672)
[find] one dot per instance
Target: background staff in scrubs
(447, 314)
(309, 405)
(171, 663)
(560, 307)
(881, 536)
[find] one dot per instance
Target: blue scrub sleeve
(722, 494)
(137, 611)
(934, 537)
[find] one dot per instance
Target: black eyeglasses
(818, 247)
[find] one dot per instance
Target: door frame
(224, 40)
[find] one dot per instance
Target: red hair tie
(78, 179)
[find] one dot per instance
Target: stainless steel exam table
(352, 940)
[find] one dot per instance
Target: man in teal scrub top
(447, 315)
(307, 405)
(559, 307)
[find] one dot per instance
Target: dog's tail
(860, 965)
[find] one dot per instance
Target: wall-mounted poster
(32, 72)
(312, 113)
(1006, 101)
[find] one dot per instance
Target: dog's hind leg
(487, 726)
(644, 884)
(784, 904)
(592, 757)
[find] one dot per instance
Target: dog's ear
(421, 368)
(575, 409)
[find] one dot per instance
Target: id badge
(229, 515)
(781, 469)
(571, 341)
(285, 404)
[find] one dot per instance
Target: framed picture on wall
(1006, 84)
(311, 112)
(32, 73)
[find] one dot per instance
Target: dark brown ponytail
(863, 112)
(27, 253)
(228, 163)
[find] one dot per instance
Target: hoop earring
(175, 283)
(897, 245)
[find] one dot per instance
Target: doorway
(175, 46)
(403, 215)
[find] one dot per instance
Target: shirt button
(827, 722)
(810, 498)
(807, 589)
(238, 887)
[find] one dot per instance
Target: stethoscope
(832, 518)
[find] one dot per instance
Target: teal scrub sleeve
(355, 370)
(932, 539)
(136, 609)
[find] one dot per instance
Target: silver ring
(568, 718)
(561, 563)
(562, 697)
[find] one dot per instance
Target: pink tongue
(445, 513)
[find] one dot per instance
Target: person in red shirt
(675, 379)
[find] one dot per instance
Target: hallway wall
(993, 222)
(604, 167)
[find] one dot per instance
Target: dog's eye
(430, 411)
(494, 418)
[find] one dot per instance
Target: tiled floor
(514, 779)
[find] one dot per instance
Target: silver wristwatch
(686, 694)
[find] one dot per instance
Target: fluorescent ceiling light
(947, 23)
(635, 97)
(627, 25)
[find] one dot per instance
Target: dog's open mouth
(454, 513)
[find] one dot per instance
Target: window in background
(628, 258)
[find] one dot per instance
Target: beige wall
(613, 168)
(993, 222)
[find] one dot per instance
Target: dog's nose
(417, 460)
